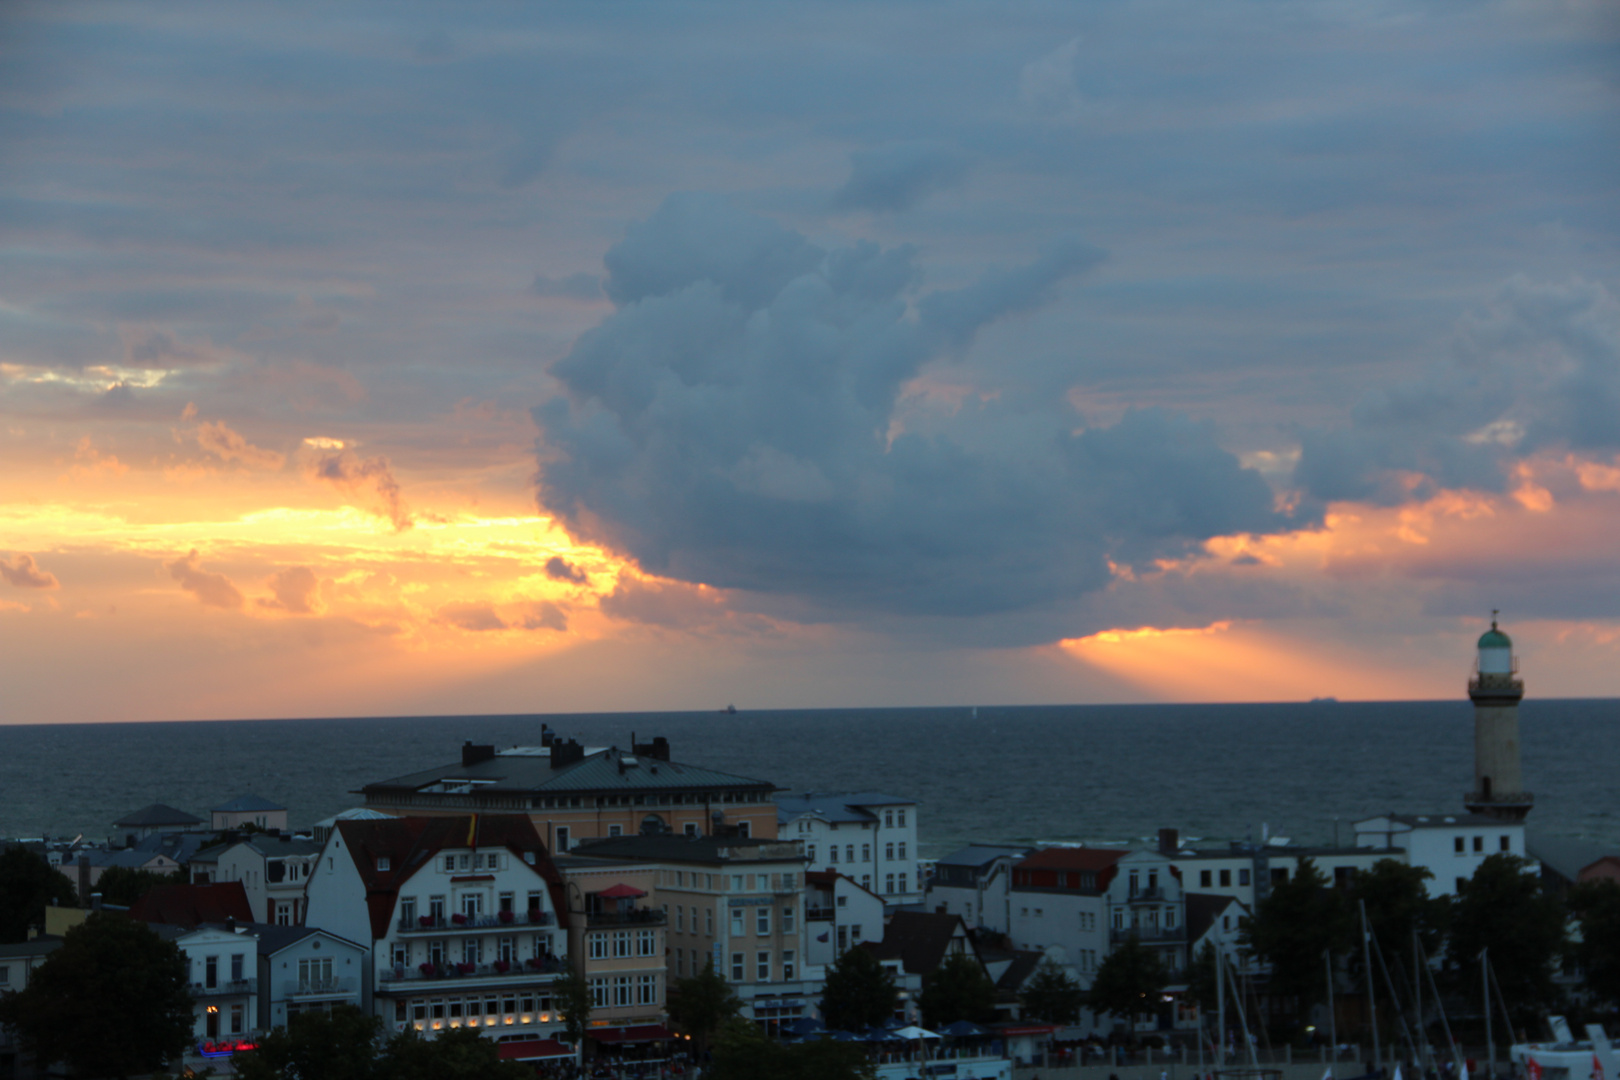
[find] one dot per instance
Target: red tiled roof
(1070, 858)
(189, 905)
(410, 843)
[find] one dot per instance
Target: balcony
(628, 917)
(1148, 935)
(320, 988)
(1153, 894)
(818, 914)
(497, 972)
(231, 988)
(458, 923)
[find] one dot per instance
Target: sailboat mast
(1220, 1009)
(1333, 1015)
(1485, 985)
(1372, 1005)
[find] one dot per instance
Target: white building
(974, 883)
(1058, 899)
(1449, 846)
(248, 810)
(223, 962)
(462, 917)
(839, 913)
(1246, 872)
(273, 869)
(867, 835)
(303, 969)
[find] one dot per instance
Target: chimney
(658, 749)
(1169, 841)
(566, 753)
(473, 754)
(84, 879)
(230, 923)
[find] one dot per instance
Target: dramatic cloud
(543, 615)
(471, 616)
(1538, 369)
(353, 474)
(210, 589)
(22, 572)
(560, 569)
(227, 445)
(579, 286)
(295, 589)
(479, 616)
(732, 424)
(895, 178)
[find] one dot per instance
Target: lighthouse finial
(1494, 613)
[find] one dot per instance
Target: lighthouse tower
(1496, 692)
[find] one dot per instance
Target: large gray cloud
(1536, 369)
(733, 423)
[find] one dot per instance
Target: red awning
(621, 892)
(532, 1049)
(641, 1033)
(1025, 1029)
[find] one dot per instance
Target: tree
(1202, 976)
(1597, 905)
(571, 995)
(1398, 902)
(1051, 995)
(316, 1045)
(112, 1001)
(456, 1054)
(743, 1052)
(1291, 928)
(27, 884)
(958, 989)
(122, 886)
(1506, 911)
(1128, 981)
(699, 1005)
(858, 993)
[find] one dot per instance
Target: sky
(377, 359)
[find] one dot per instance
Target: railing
(225, 989)
(1147, 934)
(818, 913)
(633, 917)
(499, 969)
(1152, 892)
(324, 987)
(501, 920)
(1505, 798)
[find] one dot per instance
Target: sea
(1098, 774)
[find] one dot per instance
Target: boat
(1565, 1057)
(730, 710)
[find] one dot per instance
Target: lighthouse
(1496, 691)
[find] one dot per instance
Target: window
(1243, 877)
(736, 922)
(562, 838)
(762, 966)
(1505, 846)
(615, 830)
(472, 950)
(1119, 918)
(900, 818)
(314, 973)
(236, 1019)
(810, 852)
(599, 994)
(1153, 880)
(888, 819)
(402, 955)
(744, 829)
(506, 949)
(1136, 883)
(736, 881)
(504, 902)
(842, 901)
(621, 943)
(680, 963)
(472, 905)
(855, 933)
(621, 990)
(691, 828)
(449, 864)
(236, 967)
(888, 851)
(1479, 843)
(1169, 918)
(736, 967)
(466, 862)
(382, 863)
(832, 853)
(1205, 879)
(598, 946)
(211, 972)
(849, 853)
(1457, 844)
(787, 965)
(888, 883)
(647, 990)
(407, 911)
(901, 848)
(762, 921)
(534, 900)
(284, 913)
(680, 918)
(843, 938)
(902, 883)
(1226, 879)
(647, 941)
(866, 881)
(708, 922)
(787, 919)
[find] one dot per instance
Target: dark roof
(179, 846)
(533, 775)
(981, 855)
(1439, 821)
(918, 939)
(667, 847)
(274, 938)
(1563, 855)
(409, 843)
(156, 816)
(1203, 909)
(835, 806)
(1071, 858)
(35, 946)
(1024, 963)
(191, 905)
(245, 804)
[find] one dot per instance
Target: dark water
(1015, 773)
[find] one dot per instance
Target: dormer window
(383, 863)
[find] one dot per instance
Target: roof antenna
(1494, 613)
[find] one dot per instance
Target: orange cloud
(211, 589)
(227, 445)
(23, 573)
(350, 473)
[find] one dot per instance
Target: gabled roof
(602, 771)
(126, 858)
(192, 905)
(246, 804)
(1204, 908)
(1564, 855)
(274, 938)
(410, 843)
(919, 939)
(179, 846)
(156, 816)
(1071, 858)
(1023, 965)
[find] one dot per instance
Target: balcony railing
(332, 987)
(501, 920)
(1152, 892)
(1147, 934)
(818, 914)
(499, 969)
(230, 988)
(632, 917)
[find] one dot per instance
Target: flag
(1532, 1068)
(1597, 1067)
(1329, 1074)
(1397, 1071)
(823, 936)
(1462, 1073)
(472, 831)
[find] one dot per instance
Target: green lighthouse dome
(1495, 639)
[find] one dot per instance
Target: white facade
(974, 883)
(1238, 872)
(273, 873)
(223, 974)
(839, 915)
(313, 970)
(1449, 846)
(1145, 901)
(1072, 927)
(868, 836)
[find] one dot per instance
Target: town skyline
(403, 362)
